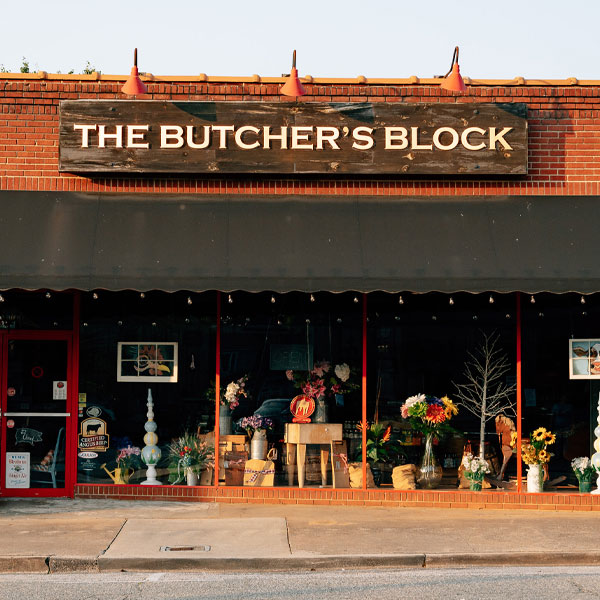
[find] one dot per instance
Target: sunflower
(550, 438)
(539, 434)
(544, 456)
(513, 439)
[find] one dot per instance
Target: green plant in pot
(188, 458)
(380, 448)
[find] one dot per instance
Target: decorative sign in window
(154, 362)
(584, 358)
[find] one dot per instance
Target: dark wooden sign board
(388, 139)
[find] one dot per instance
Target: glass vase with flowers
(430, 416)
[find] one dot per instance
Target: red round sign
(37, 372)
(10, 424)
(11, 392)
(302, 407)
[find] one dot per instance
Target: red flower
(435, 413)
(387, 434)
(182, 453)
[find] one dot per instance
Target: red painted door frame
(71, 408)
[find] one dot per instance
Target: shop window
(170, 347)
(551, 399)
(420, 344)
(269, 343)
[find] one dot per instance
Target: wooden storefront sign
(98, 136)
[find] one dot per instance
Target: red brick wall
(564, 146)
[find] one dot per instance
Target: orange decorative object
(302, 407)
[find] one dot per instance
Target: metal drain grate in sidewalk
(185, 548)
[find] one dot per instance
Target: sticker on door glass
(93, 435)
(17, 470)
(59, 390)
(26, 435)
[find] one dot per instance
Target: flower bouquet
(535, 455)
(256, 423)
(585, 472)
(188, 457)
(128, 459)
(320, 382)
(475, 469)
(430, 416)
(234, 391)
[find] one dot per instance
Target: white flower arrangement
(343, 372)
(415, 400)
(583, 467)
(231, 392)
(475, 467)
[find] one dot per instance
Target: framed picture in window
(148, 362)
(584, 358)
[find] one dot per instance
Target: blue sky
(375, 38)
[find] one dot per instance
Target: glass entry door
(36, 414)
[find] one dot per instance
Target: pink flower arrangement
(128, 458)
(317, 382)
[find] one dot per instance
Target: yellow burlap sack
(260, 473)
(403, 477)
(355, 472)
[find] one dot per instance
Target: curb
(24, 564)
(512, 559)
(261, 564)
(74, 564)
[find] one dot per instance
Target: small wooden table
(300, 434)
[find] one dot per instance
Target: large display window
(132, 343)
(310, 385)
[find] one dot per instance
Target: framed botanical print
(584, 358)
(149, 362)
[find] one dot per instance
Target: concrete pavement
(62, 535)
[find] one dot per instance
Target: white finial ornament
(150, 452)
(596, 456)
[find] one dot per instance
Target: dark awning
(171, 242)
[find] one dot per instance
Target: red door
(38, 413)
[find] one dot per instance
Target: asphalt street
(541, 583)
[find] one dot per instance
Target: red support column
(519, 398)
(217, 387)
(71, 437)
(364, 393)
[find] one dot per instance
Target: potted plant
(430, 416)
(188, 457)
(379, 446)
(535, 455)
(128, 459)
(475, 469)
(256, 427)
(585, 472)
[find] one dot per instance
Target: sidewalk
(62, 535)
